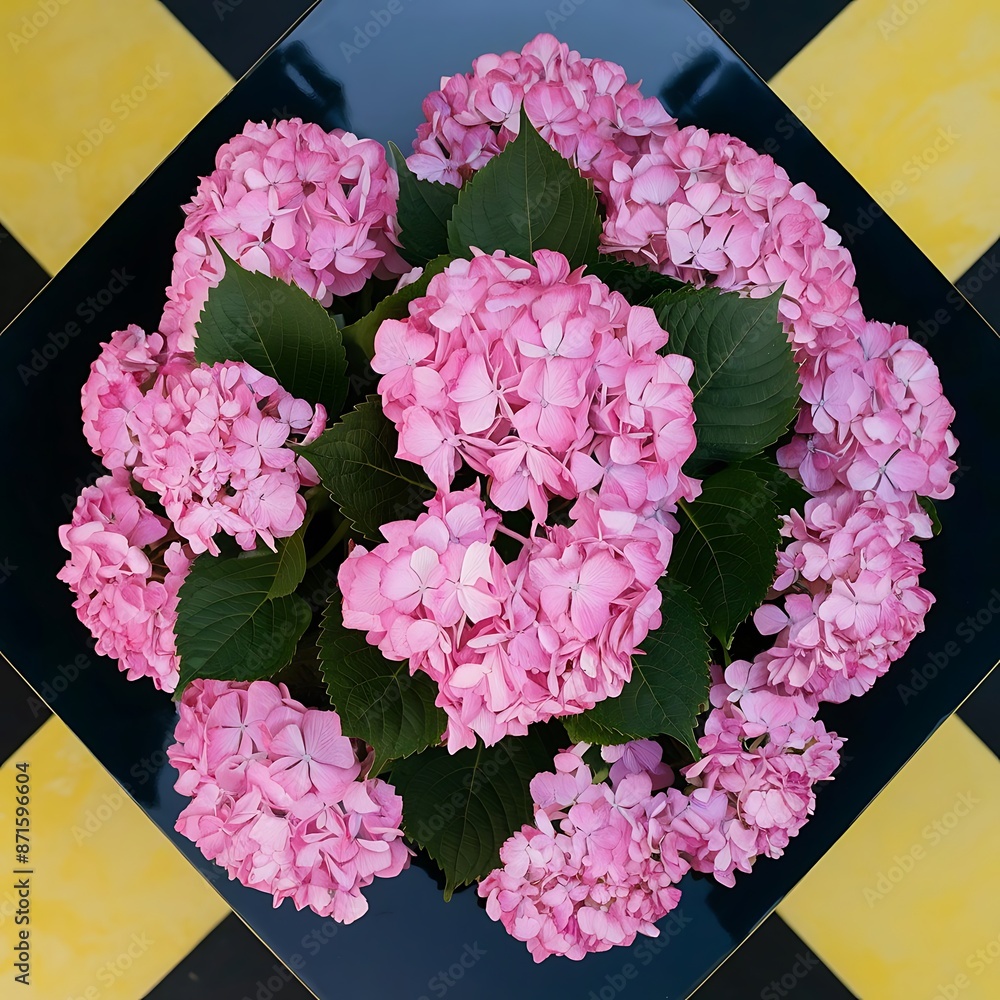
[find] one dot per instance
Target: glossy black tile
(237, 32)
(767, 33)
(773, 964)
(21, 276)
(21, 711)
(229, 963)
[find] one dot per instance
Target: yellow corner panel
(914, 113)
(95, 94)
(905, 904)
(107, 904)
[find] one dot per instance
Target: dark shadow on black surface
(237, 32)
(21, 711)
(768, 33)
(302, 83)
(21, 276)
(230, 962)
(774, 963)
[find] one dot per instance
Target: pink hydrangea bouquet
(519, 502)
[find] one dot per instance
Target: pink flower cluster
(875, 420)
(763, 752)
(599, 864)
(279, 797)
(125, 367)
(126, 572)
(509, 644)
(584, 108)
(856, 603)
(702, 206)
(314, 208)
(541, 378)
(548, 383)
(873, 430)
(212, 442)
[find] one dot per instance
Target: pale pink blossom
(316, 209)
(540, 377)
(597, 867)
(584, 108)
(126, 568)
(279, 797)
(212, 442)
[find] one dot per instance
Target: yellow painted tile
(914, 114)
(95, 94)
(905, 905)
(113, 905)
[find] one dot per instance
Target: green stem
(331, 543)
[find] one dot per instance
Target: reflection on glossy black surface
(410, 934)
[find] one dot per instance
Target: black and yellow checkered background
(906, 94)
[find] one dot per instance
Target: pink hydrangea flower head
(279, 800)
(584, 108)
(541, 378)
(212, 442)
(126, 572)
(509, 644)
(125, 366)
(316, 209)
(597, 868)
